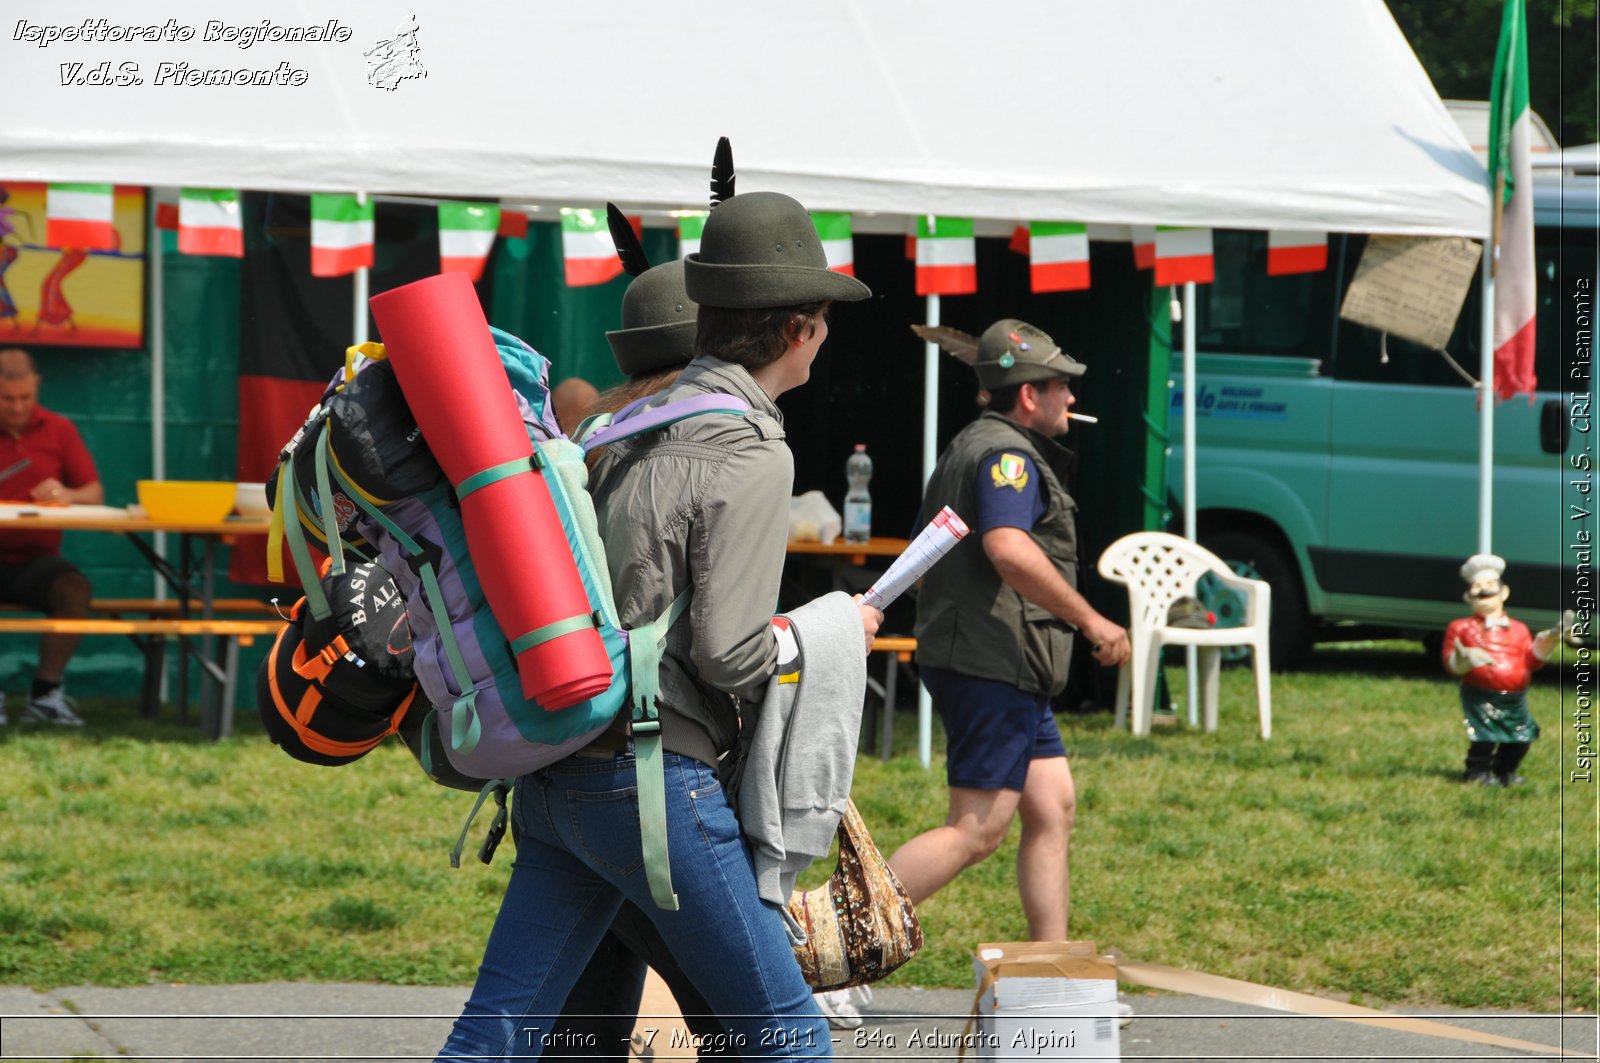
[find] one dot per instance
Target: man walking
(993, 629)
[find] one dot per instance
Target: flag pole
(930, 456)
(1490, 267)
(360, 308)
(1486, 398)
(1191, 661)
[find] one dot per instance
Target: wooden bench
(897, 651)
(150, 635)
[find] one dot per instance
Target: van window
(1560, 256)
(1245, 311)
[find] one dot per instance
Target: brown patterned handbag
(860, 925)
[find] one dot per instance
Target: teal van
(1347, 477)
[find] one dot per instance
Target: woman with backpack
(699, 507)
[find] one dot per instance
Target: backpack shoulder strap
(644, 663)
(633, 420)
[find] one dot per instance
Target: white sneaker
(54, 707)
(842, 1007)
(1124, 1014)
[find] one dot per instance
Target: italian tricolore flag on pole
(1511, 186)
(587, 250)
(80, 216)
(1293, 251)
(1058, 255)
(209, 222)
(947, 257)
(1183, 255)
(466, 235)
(341, 235)
(837, 241)
(690, 226)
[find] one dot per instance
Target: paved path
(302, 1021)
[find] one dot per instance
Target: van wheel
(1251, 555)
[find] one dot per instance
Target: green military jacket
(968, 620)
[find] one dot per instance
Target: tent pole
(158, 373)
(930, 457)
(1190, 529)
(360, 308)
(1486, 409)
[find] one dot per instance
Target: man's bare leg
(974, 828)
(1048, 808)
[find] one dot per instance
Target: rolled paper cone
(447, 365)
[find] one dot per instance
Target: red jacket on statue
(1508, 640)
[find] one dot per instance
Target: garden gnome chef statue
(1495, 657)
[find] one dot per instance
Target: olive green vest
(968, 620)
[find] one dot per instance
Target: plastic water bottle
(857, 502)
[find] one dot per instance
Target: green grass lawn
(1341, 858)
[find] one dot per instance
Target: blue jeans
(576, 825)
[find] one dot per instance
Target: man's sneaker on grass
(54, 707)
(842, 1007)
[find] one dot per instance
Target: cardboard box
(1046, 1000)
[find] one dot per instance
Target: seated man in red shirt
(42, 459)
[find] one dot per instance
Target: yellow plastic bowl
(186, 500)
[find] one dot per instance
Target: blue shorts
(993, 730)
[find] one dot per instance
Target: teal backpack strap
(644, 653)
(465, 726)
(295, 536)
(496, 788)
(496, 473)
(330, 520)
(589, 425)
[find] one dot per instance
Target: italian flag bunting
(209, 222)
(466, 235)
(947, 257)
(514, 224)
(80, 216)
(1292, 251)
(587, 249)
(1144, 246)
(690, 226)
(341, 234)
(1511, 189)
(1183, 255)
(837, 241)
(1058, 253)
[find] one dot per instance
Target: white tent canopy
(1289, 114)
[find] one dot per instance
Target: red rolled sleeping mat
(439, 344)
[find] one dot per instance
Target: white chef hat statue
(1494, 656)
(1486, 592)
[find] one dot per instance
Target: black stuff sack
(331, 690)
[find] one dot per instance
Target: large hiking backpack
(374, 499)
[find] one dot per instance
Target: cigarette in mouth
(1083, 417)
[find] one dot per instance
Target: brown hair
(631, 390)
(754, 338)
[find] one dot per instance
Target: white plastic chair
(1158, 569)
